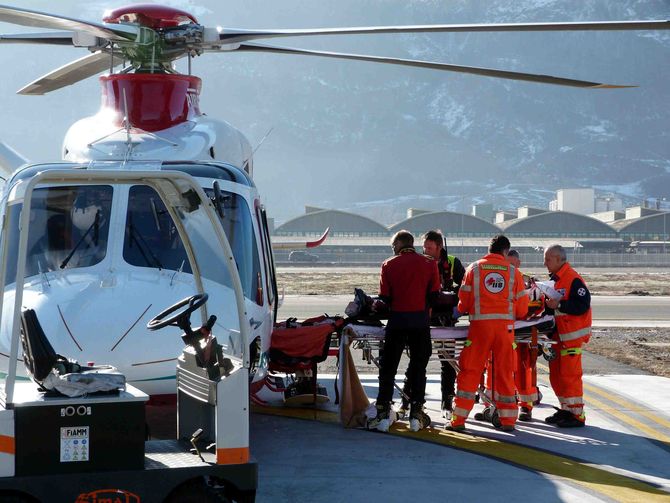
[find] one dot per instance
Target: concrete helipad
(622, 455)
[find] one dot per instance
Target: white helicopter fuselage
(133, 268)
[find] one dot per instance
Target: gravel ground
(336, 281)
(645, 349)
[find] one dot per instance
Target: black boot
(525, 414)
(570, 421)
(418, 419)
(557, 416)
(447, 406)
(386, 416)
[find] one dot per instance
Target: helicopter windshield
(151, 239)
(238, 225)
(69, 228)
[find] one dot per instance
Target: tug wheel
(197, 491)
(16, 497)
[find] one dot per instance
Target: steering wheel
(192, 303)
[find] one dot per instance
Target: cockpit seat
(55, 373)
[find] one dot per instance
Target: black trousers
(447, 383)
(420, 349)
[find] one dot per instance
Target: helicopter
(113, 249)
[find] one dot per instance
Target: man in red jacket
(451, 275)
(408, 284)
(493, 294)
(572, 313)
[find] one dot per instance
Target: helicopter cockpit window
(238, 225)
(151, 238)
(69, 226)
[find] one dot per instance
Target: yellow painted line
(630, 420)
(612, 485)
(323, 416)
(627, 405)
(622, 415)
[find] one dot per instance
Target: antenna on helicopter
(126, 125)
(245, 164)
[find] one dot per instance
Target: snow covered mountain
(377, 139)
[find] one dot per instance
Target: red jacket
(407, 282)
(493, 289)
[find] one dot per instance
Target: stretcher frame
(447, 344)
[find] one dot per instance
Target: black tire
(16, 497)
(197, 491)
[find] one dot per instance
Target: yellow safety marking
(612, 485)
(323, 416)
(630, 420)
(628, 406)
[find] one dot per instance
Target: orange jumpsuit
(573, 326)
(524, 370)
(494, 296)
(524, 377)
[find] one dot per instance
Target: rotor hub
(152, 102)
(152, 16)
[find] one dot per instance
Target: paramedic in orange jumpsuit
(493, 295)
(572, 313)
(523, 375)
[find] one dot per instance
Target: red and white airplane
(109, 255)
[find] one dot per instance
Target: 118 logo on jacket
(494, 282)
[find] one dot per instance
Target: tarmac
(623, 454)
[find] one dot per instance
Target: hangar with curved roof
(558, 224)
(449, 222)
(651, 227)
(341, 224)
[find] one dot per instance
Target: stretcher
(447, 343)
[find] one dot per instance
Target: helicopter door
(268, 260)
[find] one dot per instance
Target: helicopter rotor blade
(44, 38)
(72, 73)
(25, 17)
(488, 72)
(236, 36)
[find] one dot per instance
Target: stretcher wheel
(488, 416)
(495, 420)
(548, 353)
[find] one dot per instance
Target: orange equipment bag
(299, 345)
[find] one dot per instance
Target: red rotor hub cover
(152, 16)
